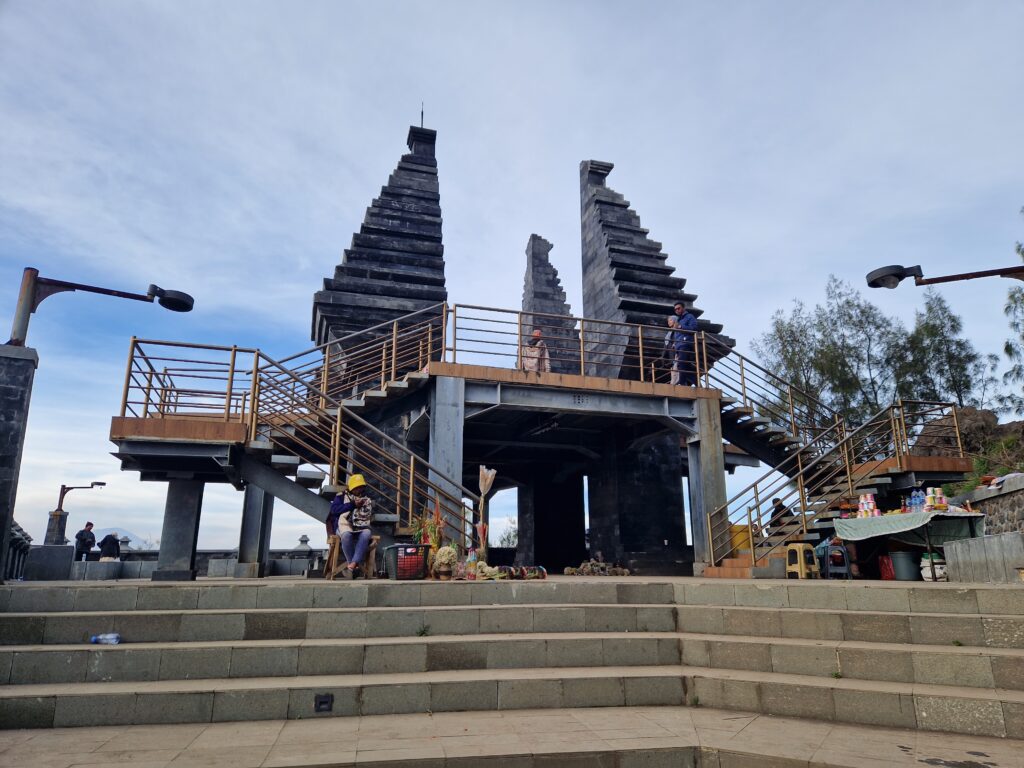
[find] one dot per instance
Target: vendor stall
(929, 529)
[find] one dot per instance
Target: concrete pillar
(447, 417)
(177, 558)
(636, 506)
(254, 540)
(17, 370)
(707, 475)
(552, 526)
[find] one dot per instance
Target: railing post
(760, 524)
(711, 538)
(841, 429)
(383, 364)
(750, 534)
(412, 485)
(325, 375)
(802, 492)
(336, 448)
(394, 350)
(230, 384)
(640, 343)
(792, 412)
(430, 345)
(444, 332)
(743, 383)
(128, 376)
(519, 341)
(149, 393)
(583, 370)
(959, 440)
(254, 395)
(698, 339)
(455, 333)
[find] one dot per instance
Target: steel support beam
(706, 476)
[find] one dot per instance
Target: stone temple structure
(543, 296)
(395, 264)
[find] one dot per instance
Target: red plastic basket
(406, 561)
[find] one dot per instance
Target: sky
(230, 150)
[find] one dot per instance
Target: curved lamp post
(35, 288)
(57, 526)
(890, 277)
(17, 370)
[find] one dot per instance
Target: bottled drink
(109, 638)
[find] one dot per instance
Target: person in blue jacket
(684, 347)
(349, 517)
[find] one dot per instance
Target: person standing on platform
(687, 329)
(85, 540)
(673, 348)
(535, 355)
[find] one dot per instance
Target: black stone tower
(625, 275)
(395, 264)
(543, 295)
(636, 495)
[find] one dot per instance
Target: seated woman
(349, 518)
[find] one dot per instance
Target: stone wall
(1003, 507)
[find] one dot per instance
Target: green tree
(1014, 346)
(856, 360)
(941, 365)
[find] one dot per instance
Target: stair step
(309, 477)
(200, 701)
(37, 664)
(285, 463)
(979, 711)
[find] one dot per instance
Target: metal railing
(814, 479)
(191, 381)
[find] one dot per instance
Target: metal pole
(394, 350)
(583, 371)
(128, 376)
(230, 385)
(640, 343)
(25, 307)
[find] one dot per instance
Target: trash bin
(905, 565)
(406, 561)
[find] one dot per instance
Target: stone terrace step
(617, 737)
(912, 597)
(215, 700)
(927, 664)
(24, 665)
(980, 711)
(982, 631)
(300, 623)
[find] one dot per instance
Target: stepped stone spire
(543, 294)
(625, 275)
(395, 264)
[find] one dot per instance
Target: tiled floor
(517, 736)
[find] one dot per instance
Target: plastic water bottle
(109, 638)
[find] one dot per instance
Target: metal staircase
(300, 415)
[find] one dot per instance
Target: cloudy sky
(229, 149)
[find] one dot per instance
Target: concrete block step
(958, 666)
(976, 711)
(312, 623)
(978, 631)
(877, 597)
(275, 698)
(26, 665)
(144, 595)
(605, 737)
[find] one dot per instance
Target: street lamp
(17, 370)
(35, 288)
(890, 277)
(57, 525)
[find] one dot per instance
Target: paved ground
(654, 736)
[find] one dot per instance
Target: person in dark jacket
(85, 540)
(685, 353)
(110, 548)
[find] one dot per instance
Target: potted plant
(444, 562)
